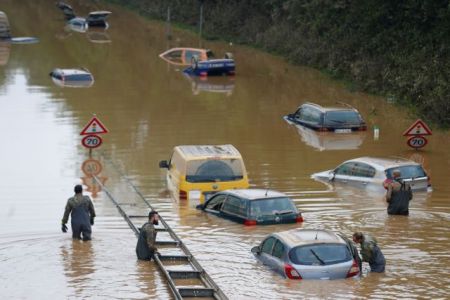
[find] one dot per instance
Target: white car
(72, 77)
(365, 171)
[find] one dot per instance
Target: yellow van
(196, 172)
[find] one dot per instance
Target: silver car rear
(321, 260)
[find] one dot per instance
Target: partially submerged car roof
(255, 194)
(299, 237)
(208, 151)
(343, 107)
(384, 163)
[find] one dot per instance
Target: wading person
(398, 195)
(370, 251)
(82, 213)
(145, 248)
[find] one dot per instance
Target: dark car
(343, 119)
(253, 207)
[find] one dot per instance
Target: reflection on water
(223, 85)
(149, 110)
(330, 141)
(5, 48)
(92, 167)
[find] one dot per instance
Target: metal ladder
(204, 287)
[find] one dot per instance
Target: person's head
(396, 173)
(153, 217)
(78, 189)
(357, 237)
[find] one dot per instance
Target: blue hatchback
(253, 207)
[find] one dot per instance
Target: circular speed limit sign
(91, 141)
(417, 141)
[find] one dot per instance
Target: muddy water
(149, 107)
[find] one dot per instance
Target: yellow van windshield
(214, 170)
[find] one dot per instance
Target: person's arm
(67, 211)
(91, 208)
(151, 238)
(409, 193)
(366, 251)
(389, 192)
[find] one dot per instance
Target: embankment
(399, 49)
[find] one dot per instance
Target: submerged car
(72, 77)
(253, 207)
(196, 172)
(362, 171)
(309, 254)
(343, 119)
(183, 56)
(211, 67)
(95, 18)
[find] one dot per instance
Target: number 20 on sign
(91, 141)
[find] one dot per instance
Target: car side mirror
(256, 250)
(199, 206)
(163, 164)
(331, 175)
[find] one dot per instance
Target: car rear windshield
(272, 206)
(214, 170)
(79, 77)
(413, 171)
(320, 254)
(333, 118)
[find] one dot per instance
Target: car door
(234, 208)
(278, 256)
(343, 172)
(265, 254)
(214, 205)
(361, 174)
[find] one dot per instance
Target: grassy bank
(399, 49)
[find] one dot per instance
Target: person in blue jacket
(82, 213)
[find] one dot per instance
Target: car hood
(322, 175)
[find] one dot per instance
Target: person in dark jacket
(82, 213)
(398, 195)
(370, 251)
(145, 248)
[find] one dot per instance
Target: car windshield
(214, 170)
(272, 206)
(413, 171)
(342, 117)
(320, 254)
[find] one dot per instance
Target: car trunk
(334, 271)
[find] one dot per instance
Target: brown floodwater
(149, 107)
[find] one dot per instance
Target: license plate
(348, 130)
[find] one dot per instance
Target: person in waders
(82, 213)
(370, 251)
(398, 195)
(145, 248)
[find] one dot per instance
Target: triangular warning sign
(94, 127)
(418, 128)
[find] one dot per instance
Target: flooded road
(149, 107)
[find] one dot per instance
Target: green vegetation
(400, 49)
